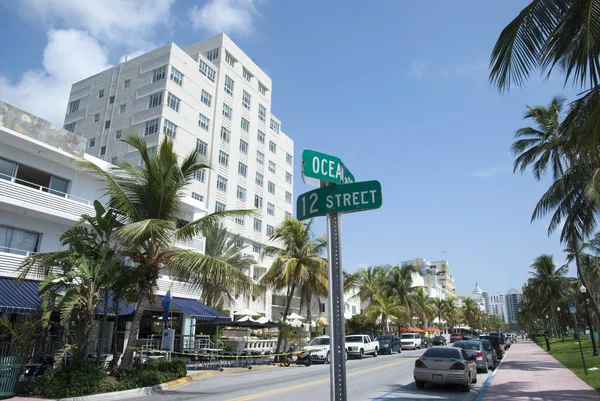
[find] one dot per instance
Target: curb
(118, 395)
(488, 382)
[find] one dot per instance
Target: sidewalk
(528, 373)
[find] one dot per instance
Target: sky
(398, 90)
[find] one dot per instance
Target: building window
(159, 73)
(288, 197)
(272, 147)
(201, 147)
(241, 193)
(245, 125)
(118, 134)
(262, 89)
(107, 124)
(203, 122)
(247, 75)
(212, 54)
(102, 150)
(288, 177)
(17, 241)
(127, 83)
(92, 142)
(223, 158)
(205, 98)
(270, 209)
(219, 207)
(239, 220)
(257, 225)
(122, 108)
(96, 117)
(111, 100)
(198, 197)
(73, 106)
(259, 179)
(272, 167)
(176, 76)
(256, 248)
(270, 230)
(151, 127)
(260, 157)
(113, 160)
(221, 183)
(260, 136)
(100, 93)
(206, 71)
(225, 135)
(169, 129)
(288, 215)
(258, 201)
(321, 307)
(228, 85)
(229, 59)
(243, 146)
(200, 175)
(246, 100)
(275, 126)
(288, 159)
(262, 112)
(227, 111)
(173, 101)
(70, 127)
(155, 99)
(242, 169)
(271, 187)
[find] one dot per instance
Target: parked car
(426, 342)
(498, 346)
(411, 341)
(489, 348)
(319, 349)
(503, 340)
(455, 337)
(439, 340)
(360, 345)
(445, 365)
(477, 353)
(389, 344)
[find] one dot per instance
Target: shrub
(155, 372)
(71, 381)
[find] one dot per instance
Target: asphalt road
(387, 377)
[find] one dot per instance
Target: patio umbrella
(295, 316)
(246, 319)
(262, 320)
(245, 312)
(295, 323)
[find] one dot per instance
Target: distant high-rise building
(497, 305)
(512, 299)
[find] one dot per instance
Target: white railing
(10, 263)
(196, 342)
(196, 244)
(40, 196)
(261, 345)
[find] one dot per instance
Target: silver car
(477, 352)
(445, 365)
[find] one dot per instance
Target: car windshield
(459, 344)
(439, 338)
(473, 345)
(384, 338)
(319, 341)
(442, 352)
(411, 336)
(354, 339)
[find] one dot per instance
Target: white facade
(209, 96)
(428, 277)
(497, 305)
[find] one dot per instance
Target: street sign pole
(336, 308)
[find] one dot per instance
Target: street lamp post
(562, 332)
(583, 291)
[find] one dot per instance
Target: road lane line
(316, 382)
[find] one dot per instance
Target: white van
(411, 341)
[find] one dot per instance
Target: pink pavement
(528, 373)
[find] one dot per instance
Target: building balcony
(10, 261)
(196, 244)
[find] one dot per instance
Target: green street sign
(346, 198)
(322, 167)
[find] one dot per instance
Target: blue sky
(396, 89)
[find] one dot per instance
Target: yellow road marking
(315, 382)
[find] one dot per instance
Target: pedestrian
(526, 335)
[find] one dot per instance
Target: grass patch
(568, 354)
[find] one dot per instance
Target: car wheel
(308, 362)
(328, 358)
(375, 353)
(487, 367)
(474, 378)
(419, 384)
(361, 354)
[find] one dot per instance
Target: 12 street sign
(322, 167)
(339, 199)
(572, 307)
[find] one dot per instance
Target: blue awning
(124, 307)
(196, 309)
(18, 296)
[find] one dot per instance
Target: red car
(455, 337)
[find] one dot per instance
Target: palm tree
(423, 305)
(383, 308)
(451, 312)
(148, 202)
(399, 282)
(439, 306)
(297, 256)
(222, 246)
(470, 310)
(314, 285)
(370, 279)
(543, 144)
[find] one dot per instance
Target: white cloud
(417, 70)
(489, 172)
(45, 92)
(128, 23)
(229, 16)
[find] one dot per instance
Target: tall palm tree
(314, 285)
(423, 305)
(439, 306)
(297, 256)
(384, 308)
(148, 201)
(543, 144)
(370, 279)
(470, 309)
(399, 282)
(548, 283)
(451, 312)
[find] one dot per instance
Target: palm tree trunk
(135, 324)
(115, 346)
(82, 353)
(309, 315)
(286, 311)
(102, 326)
(595, 306)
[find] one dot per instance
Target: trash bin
(9, 374)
